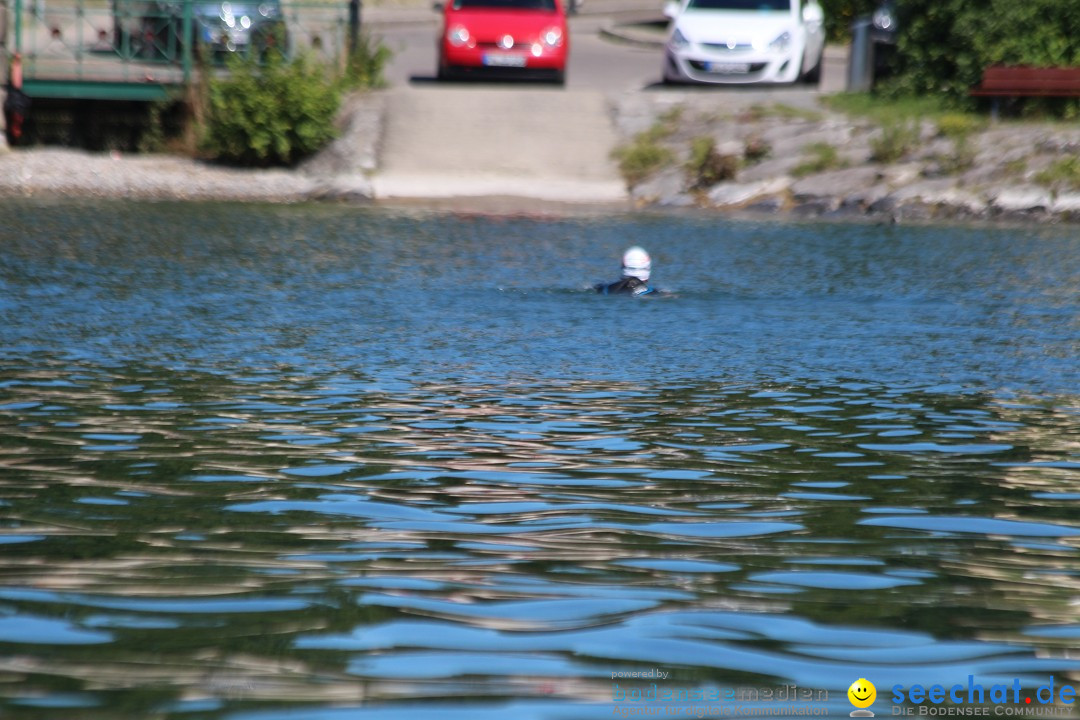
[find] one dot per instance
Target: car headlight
(883, 19)
(678, 41)
(552, 37)
(781, 43)
(457, 35)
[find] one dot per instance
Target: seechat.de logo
(862, 694)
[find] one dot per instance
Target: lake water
(322, 462)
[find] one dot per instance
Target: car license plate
(501, 60)
(728, 68)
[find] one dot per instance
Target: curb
(629, 34)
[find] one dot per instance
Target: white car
(744, 41)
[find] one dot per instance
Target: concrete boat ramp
(466, 141)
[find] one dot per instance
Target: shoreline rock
(808, 162)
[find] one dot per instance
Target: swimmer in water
(636, 266)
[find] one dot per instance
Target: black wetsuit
(626, 286)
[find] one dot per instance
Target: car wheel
(559, 78)
(814, 76)
(670, 74)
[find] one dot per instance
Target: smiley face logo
(862, 694)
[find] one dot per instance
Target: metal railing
(143, 49)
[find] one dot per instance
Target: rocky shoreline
(785, 157)
(807, 162)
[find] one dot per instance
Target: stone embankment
(807, 162)
(783, 156)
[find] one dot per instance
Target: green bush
(271, 113)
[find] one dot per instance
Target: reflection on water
(310, 462)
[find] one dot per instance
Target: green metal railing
(152, 49)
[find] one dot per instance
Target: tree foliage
(944, 45)
(840, 14)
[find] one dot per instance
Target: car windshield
(750, 5)
(506, 4)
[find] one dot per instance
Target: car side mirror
(671, 9)
(812, 14)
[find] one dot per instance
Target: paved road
(523, 140)
(475, 140)
(491, 139)
(595, 63)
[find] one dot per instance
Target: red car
(508, 38)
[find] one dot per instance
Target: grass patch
(1015, 168)
(959, 128)
(666, 125)
(1063, 174)
(758, 112)
(366, 64)
(642, 157)
(657, 132)
(671, 116)
(897, 140)
(646, 154)
(883, 110)
(817, 158)
(961, 159)
(956, 126)
(706, 167)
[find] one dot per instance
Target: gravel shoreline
(338, 172)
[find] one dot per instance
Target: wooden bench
(999, 81)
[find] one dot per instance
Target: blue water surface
(321, 462)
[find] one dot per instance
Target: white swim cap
(636, 263)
